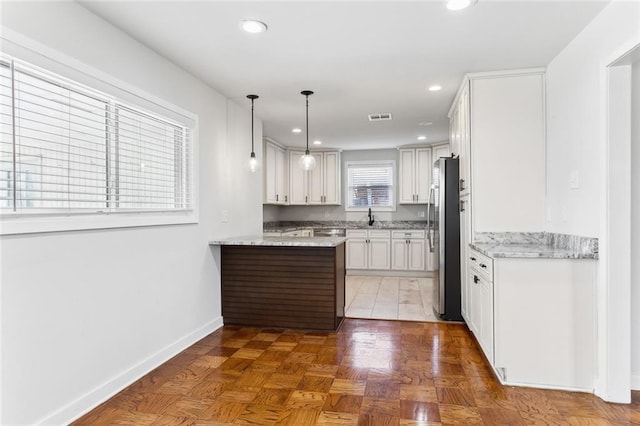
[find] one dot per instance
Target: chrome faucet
(371, 218)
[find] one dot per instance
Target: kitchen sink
(333, 232)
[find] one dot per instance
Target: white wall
(85, 313)
(577, 142)
(575, 119)
(635, 226)
(403, 211)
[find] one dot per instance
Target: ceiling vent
(380, 117)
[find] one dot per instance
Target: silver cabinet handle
(482, 265)
(306, 199)
(286, 198)
(462, 206)
(462, 187)
(476, 280)
(472, 258)
(276, 197)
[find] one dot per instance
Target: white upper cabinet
(318, 186)
(439, 151)
(497, 128)
(298, 180)
(508, 153)
(275, 174)
(414, 175)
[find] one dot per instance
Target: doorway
(619, 319)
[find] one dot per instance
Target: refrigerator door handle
(430, 224)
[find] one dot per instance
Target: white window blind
(370, 185)
(67, 148)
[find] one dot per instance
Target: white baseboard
(103, 392)
(635, 382)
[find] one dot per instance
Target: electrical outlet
(224, 215)
(326, 213)
(421, 214)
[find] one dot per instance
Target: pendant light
(307, 161)
(253, 161)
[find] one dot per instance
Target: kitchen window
(66, 149)
(370, 185)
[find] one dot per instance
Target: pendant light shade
(307, 161)
(253, 161)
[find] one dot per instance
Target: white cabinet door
(399, 254)
(357, 253)
(464, 141)
(406, 176)
(423, 175)
(440, 151)
(297, 180)
(465, 240)
(270, 173)
(454, 141)
(281, 184)
(316, 180)
(331, 178)
(507, 123)
(379, 253)
(416, 257)
(474, 308)
(486, 318)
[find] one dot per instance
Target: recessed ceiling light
(435, 88)
(296, 130)
(317, 142)
(253, 27)
(458, 4)
(422, 138)
(425, 123)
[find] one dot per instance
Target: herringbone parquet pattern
(369, 373)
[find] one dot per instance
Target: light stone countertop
(341, 224)
(535, 245)
(529, 251)
(280, 241)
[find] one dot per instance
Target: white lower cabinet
(533, 319)
(368, 249)
(408, 250)
(480, 304)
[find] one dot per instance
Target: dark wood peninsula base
(298, 287)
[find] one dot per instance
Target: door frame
(613, 293)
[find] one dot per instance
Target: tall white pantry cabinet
(497, 128)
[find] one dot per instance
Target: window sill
(373, 209)
(31, 224)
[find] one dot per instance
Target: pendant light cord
(307, 150)
(253, 98)
(306, 93)
(252, 151)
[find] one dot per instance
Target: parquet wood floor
(368, 373)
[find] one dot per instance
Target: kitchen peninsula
(283, 282)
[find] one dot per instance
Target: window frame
(23, 50)
(371, 163)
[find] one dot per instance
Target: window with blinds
(65, 148)
(370, 185)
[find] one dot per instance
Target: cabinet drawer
(481, 263)
(356, 233)
(379, 234)
(408, 234)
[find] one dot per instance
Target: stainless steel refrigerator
(443, 235)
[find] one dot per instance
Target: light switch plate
(224, 215)
(574, 179)
(421, 214)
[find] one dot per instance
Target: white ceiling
(358, 57)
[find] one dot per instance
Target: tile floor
(390, 298)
